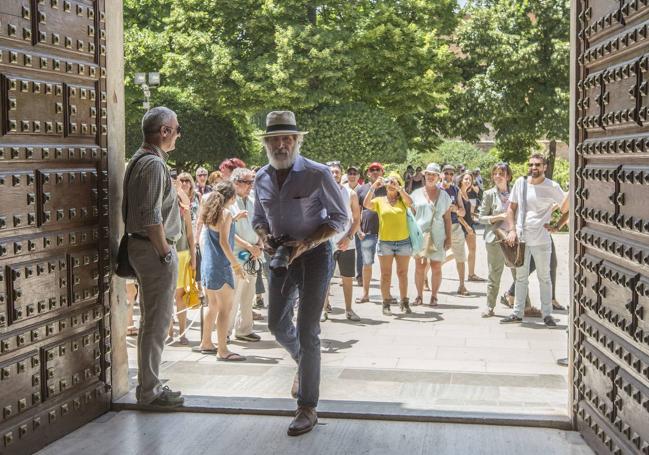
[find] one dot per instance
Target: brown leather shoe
(304, 421)
(295, 386)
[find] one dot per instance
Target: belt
(146, 239)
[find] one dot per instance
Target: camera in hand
(279, 261)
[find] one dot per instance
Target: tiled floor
(443, 358)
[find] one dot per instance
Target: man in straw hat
(298, 206)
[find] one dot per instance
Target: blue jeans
(541, 255)
(368, 248)
(307, 279)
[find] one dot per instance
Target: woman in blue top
(431, 206)
(217, 265)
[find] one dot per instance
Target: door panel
(611, 288)
(54, 260)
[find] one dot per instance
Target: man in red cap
(369, 230)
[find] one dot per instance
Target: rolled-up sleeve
(486, 210)
(333, 202)
(149, 211)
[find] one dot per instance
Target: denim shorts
(398, 248)
(368, 248)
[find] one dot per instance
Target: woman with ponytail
(218, 263)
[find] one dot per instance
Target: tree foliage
(516, 73)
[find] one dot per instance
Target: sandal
(231, 357)
(433, 301)
(488, 313)
(418, 301)
(257, 317)
(505, 301)
(557, 306)
(362, 299)
(476, 278)
(532, 312)
(463, 291)
(132, 331)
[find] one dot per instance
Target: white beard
(283, 162)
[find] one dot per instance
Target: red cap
(375, 164)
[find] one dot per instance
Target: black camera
(279, 261)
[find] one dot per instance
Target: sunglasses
(352, 173)
(449, 173)
(534, 164)
(246, 182)
(185, 180)
(374, 169)
(178, 129)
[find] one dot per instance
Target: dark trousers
(307, 279)
(359, 258)
(553, 273)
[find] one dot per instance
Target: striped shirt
(151, 197)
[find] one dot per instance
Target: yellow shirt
(393, 225)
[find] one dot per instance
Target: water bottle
(244, 255)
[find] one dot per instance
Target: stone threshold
(362, 410)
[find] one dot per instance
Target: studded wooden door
(611, 289)
(54, 264)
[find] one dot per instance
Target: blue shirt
(453, 192)
(309, 198)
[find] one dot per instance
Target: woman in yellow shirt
(394, 239)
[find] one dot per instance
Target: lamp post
(147, 81)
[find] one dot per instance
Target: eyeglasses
(534, 164)
(352, 173)
(178, 128)
(201, 175)
(374, 169)
(185, 180)
(246, 182)
(449, 173)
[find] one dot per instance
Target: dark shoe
(557, 306)
(488, 313)
(549, 321)
(168, 399)
(504, 300)
(405, 306)
(304, 421)
(563, 362)
(511, 318)
(250, 337)
(475, 278)
(359, 282)
(386, 309)
(296, 386)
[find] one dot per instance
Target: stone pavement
(138, 433)
(437, 359)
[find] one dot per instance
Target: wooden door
(54, 262)
(611, 244)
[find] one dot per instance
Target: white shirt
(347, 195)
(541, 199)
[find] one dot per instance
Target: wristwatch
(166, 259)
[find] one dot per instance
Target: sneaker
(549, 321)
(324, 316)
(386, 310)
(168, 399)
(511, 318)
(259, 303)
(252, 337)
(352, 316)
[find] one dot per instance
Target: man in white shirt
(537, 197)
(247, 246)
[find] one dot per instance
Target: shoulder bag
(192, 296)
(123, 268)
(429, 240)
(414, 233)
(514, 254)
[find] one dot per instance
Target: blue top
(309, 198)
(453, 192)
(215, 266)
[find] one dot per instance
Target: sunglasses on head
(333, 163)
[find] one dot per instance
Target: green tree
(515, 66)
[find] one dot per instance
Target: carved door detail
(611, 367)
(54, 261)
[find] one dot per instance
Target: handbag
(429, 240)
(123, 268)
(414, 233)
(192, 296)
(514, 254)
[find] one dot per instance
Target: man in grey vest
(152, 216)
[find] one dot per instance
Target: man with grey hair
(152, 218)
(298, 208)
(247, 249)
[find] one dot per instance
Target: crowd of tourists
(245, 235)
